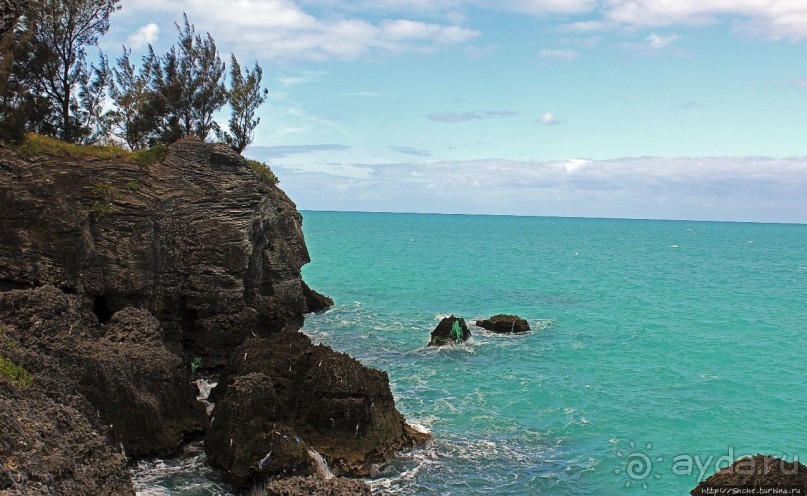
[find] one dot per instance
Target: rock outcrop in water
(115, 277)
(504, 324)
(280, 395)
(445, 332)
(759, 474)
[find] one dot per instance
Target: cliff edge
(115, 277)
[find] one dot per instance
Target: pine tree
(132, 120)
(56, 65)
(245, 96)
(187, 86)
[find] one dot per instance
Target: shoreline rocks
(450, 330)
(305, 486)
(756, 475)
(282, 394)
(504, 324)
(117, 280)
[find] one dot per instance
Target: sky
(662, 109)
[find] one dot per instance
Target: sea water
(660, 350)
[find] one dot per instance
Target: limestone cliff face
(198, 240)
(115, 277)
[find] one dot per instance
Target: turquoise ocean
(660, 350)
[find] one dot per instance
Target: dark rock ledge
(116, 277)
(758, 474)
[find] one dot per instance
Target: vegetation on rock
(48, 87)
(263, 172)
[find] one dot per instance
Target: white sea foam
(204, 387)
(321, 466)
(189, 473)
(419, 427)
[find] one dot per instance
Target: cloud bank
(719, 188)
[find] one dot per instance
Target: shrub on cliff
(263, 172)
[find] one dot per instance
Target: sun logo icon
(637, 464)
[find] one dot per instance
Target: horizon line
(552, 216)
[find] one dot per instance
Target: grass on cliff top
(263, 172)
(36, 144)
(10, 371)
(14, 373)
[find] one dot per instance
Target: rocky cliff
(196, 239)
(116, 276)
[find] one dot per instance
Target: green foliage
(105, 193)
(63, 92)
(133, 119)
(47, 85)
(246, 95)
(263, 172)
(148, 156)
(133, 185)
(195, 364)
(14, 373)
(186, 86)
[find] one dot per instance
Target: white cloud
(302, 78)
(539, 7)
(148, 34)
(549, 119)
(282, 29)
(456, 117)
(776, 19)
(588, 26)
(454, 10)
(658, 42)
(566, 54)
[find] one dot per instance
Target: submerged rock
(761, 474)
(447, 333)
(504, 324)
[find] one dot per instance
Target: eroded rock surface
(123, 370)
(198, 240)
(305, 486)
